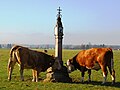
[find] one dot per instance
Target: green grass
(16, 84)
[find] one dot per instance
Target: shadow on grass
(117, 84)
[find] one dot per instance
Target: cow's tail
(112, 62)
(112, 71)
(11, 58)
(11, 61)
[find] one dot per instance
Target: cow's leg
(82, 74)
(112, 73)
(33, 72)
(21, 73)
(36, 75)
(10, 73)
(10, 68)
(113, 76)
(89, 75)
(105, 72)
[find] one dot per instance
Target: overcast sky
(84, 21)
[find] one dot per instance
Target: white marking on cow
(112, 78)
(88, 67)
(68, 62)
(69, 66)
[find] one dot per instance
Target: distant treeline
(6, 45)
(48, 46)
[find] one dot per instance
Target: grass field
(16, 84)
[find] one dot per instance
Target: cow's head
(70, 65)
(57, 64)
(51, 60)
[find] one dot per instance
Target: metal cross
(59, 11)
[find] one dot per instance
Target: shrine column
(58, 37)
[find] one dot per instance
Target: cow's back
(34, 59)
(90, 57)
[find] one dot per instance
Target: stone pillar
(62, 74)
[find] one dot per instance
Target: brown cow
(94, 58)
(30, 59)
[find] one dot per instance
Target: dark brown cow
(94, 58)
(30, 59)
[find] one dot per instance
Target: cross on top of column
(59, 12)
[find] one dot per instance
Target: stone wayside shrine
(60, 75)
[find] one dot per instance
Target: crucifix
(59, 11)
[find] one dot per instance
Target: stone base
(58, 75)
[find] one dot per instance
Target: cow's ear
(53, 55)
